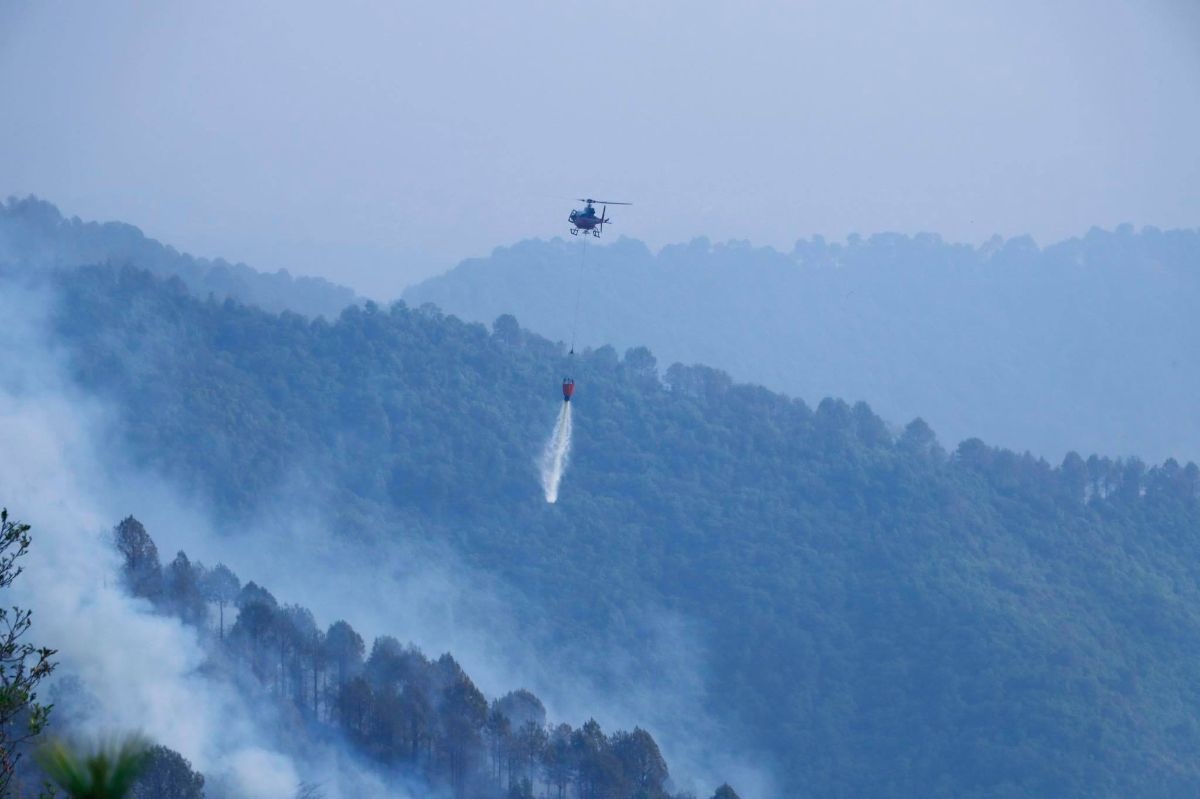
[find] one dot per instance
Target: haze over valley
(767, 586)
(847, 449)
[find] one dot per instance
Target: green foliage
(104, 771)
(22, 665)
(1089, 343)
(882, 618)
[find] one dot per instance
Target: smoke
(63, 472)
(123, 667)
(140, 671)
(557, 454)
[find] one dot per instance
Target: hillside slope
(1091, 344)
(880, 617)
(33, 233)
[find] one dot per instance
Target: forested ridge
(1087, 344)
(408, 715)
(882, 617)
(34, 233)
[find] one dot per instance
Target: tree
(641, 761)
(529, 741)
(599, 771)
(388, 662)
(221, 585)
(919, 439)
(22, 665)
(1074, 477)
(417, 732)
(464, 711)
(559, 761)
(295, 632)
(108, 771)
(143, 572)
(344, 648)
(870, 428)
(521, 707)
(640, 362)
(251, 592)
(181, 584)
(354, 702)
(497, 729)
(167, 775)
(506, 330)
(254, 626)
(316, 664)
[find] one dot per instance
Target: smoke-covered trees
(345, 649)
(521, 707)
(641, 761)
(23, 665)
(222, 587)
(400, 709)
(143, 571)
(463, 714)
(182, 590)
(166, 774)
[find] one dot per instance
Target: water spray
(557, 452)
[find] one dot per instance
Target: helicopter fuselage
(584, 221)
(587, 219)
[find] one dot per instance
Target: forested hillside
(880, 616)
(33, 233)
(1089, 344)
(406, 715)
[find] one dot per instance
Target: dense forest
(34, 233)
(403, 713)
(1090, 344)
(877, 615)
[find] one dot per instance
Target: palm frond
(106, 770)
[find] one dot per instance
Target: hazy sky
(377, 143)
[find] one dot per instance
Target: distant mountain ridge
(34, 232)
(1091, 344)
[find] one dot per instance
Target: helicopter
(587, 219)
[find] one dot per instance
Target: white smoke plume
(557, 454)
(142, 671)
(130, 669)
